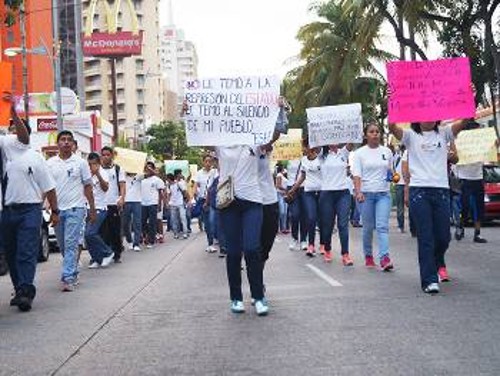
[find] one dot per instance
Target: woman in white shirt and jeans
(371, 166)
(427, 145)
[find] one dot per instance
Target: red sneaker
(311, 252)
(369, 262)
(443, 274)
(327, 256)
(347, 260)
(322, 249)
(386, 264)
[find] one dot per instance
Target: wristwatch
(56, 211)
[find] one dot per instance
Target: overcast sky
(242, 37)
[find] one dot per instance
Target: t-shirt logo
(70, 171)
(383, 157)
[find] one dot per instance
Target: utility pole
(57, 64)
(24, 56)
(115, 105)
(80, 87)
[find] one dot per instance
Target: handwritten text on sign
(476, 145)
(335, 124)
(430, 90)
(231, 111)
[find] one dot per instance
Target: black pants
(111, 231)
(270, 224)
(472, 200)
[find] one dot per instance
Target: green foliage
(168, 141)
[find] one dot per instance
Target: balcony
(93, 102)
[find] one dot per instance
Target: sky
(240, 37)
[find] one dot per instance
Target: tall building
(139, 82)
(40, 76)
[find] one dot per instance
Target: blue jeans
(335, 204)
(178, 219)
(242, 224)
(21, 237)
(149, 222)
(456, 208)
(311, 201)
(207, 216)
(96, 246)
(400, 205)
(132, 220)
(219, 232)
(355, 215)
(298, 217)
(430, 208)
(283, 213)
(376, 210)
(68, 232)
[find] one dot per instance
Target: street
(165, 311)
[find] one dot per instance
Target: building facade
(139, 81)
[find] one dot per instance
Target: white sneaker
(149, 246)
(106, 261)
(185, 236)
(237, 306)
(294, 245)
(432, 288)
(94, 265)
(303, 246)
(130, 246)
(261, 307)
(211, 249)
(136, 248)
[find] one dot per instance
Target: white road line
(325, 277)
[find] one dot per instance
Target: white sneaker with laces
(136, 248)
(106, 261)
(237, 306)
(261, 307)
(294, 245)
(432, 288)
(94, 265)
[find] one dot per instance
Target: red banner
(46, 125)
(120, 44)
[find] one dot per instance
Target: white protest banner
(231, 111)
(477, 145)
(177, 164)
(131, 161)
(335, 124)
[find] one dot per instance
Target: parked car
(48, 242)
(491, 192)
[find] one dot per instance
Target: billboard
(112, 43)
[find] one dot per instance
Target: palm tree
(339, 53)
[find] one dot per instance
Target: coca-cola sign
(119, 44)
(46, 125)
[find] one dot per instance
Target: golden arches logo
(111, 16)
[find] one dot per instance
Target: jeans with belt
(68, 232)
(430, 208)
(21, 225)
(242, 225)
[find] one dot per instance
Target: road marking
(325, 277)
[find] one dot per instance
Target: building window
(140, 109)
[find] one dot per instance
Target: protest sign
(335, 124)
(476, 145)
(289, 146)
(131, 161)
(231, 111)
(171, 166)
(5, 86)
(430, 90)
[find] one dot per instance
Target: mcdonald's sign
(112, 43)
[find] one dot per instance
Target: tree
(339, 54)
(168, 141)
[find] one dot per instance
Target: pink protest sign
(430, 90)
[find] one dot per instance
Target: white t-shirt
(334, 170)
(241, 162)
(472, 171)
(175, 190)
(398, 165)
(292, 169)
(371, 165)
(313, 173)
(150, 188)
(428, 156)
(284, 181)
(28, 178)
(202, 178)
(113, 193)
(70, 175)
(100, 196)
(266, 181)
(10, 148)
(133, 188)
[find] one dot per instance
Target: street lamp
(39, 50)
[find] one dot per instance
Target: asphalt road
(165, 311)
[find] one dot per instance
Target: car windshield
(492, 174)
